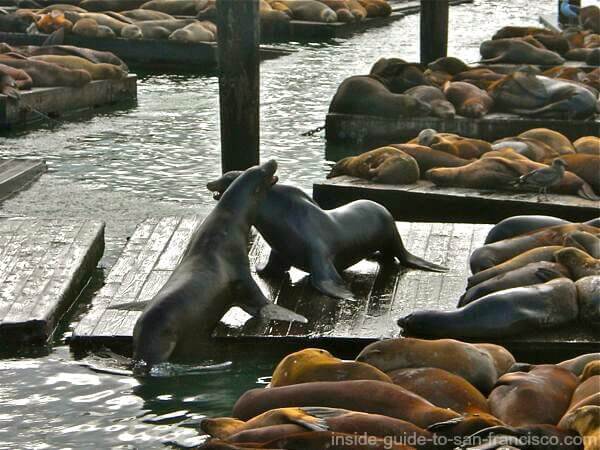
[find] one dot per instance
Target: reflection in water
(155, 159)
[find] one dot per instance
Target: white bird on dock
(545, 177)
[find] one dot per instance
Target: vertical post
(561, 17)
(239, 81)
(434, 30)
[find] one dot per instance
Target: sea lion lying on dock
(463, 147)
(435, 98)
(589, 145)
(90, 28)
(98, 71)
(213, 274)
(44, 74)
(468, 99)
(341, 8)
(110, 5)
(155, 29)
(311, 10)
(588, 294)
(94, 56)
(555, 140)
(141, 15)
(428, 158)
(324, 242)
(586, 167)
(21, 79)
(176, 7)
(517, 51)
(192, 33)
(531, 148)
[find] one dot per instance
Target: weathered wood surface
(151, 254)
(16, 174)
(381, 130)
(147, 54)
(44, 265)
(423, 201)
(434, 30)
(64, 101)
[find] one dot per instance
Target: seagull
(545, 177)
(568, 10)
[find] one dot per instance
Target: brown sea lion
(341, 8)
(530, 148)
(566, 73)
(265, 434)
(155, 29)
(586, 422)
(465, 425)
(21, 78)
(400, 75)
(313, 364)
(387, 165)
(376, 8)
(587, 167)
(588, 145)
(175, 7)
(442, 388)
(61, 7)
(358, 11)
(517, 51)
(480, 77)
(584, 241)
(142, 15)
(501, 314)
(591, 369)
(468, 361)
(44, 74)
(116, 25)
(94, 56)
(493, 254)
(428, 158)
(533, 273)
(513, 31)
(465, 148)
(449, 65)
(539, 396)
(503, 359)
(311, 10)
(435, 98)
(100, 71)
(577, 364)
(529, 437)
(553, 139)
(89, 28)
(110, 5)
(192, 33)
(469, 100)
(588, 295)
(585, 389)
(516, 225)
(578, 262)
(327, 440)
(375, 397)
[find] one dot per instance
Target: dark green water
(154, 159)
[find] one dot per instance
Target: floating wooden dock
(146, 54)
(61, 102)
(423, 201)
(383, 293)
(16, 174)
(350, 128)
(44, 265)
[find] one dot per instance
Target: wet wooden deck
(423, 201)
(16, 174)
(44, 265)
(349, 128)
(59, 102)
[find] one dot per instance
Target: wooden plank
(44, 265)
(64, 101)
(423, 201)
(434, 30)
(347, 128)
(16, 174)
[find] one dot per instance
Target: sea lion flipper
(276, 312)
(545, 274)
(276, 265)
(131, 306)
(326, 279)
(411, 260)
(56, 38)
(587, 192)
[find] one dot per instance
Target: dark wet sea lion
(533, 273)
(327, 440)
(577, 364)
(578, 262)
(539, 396)
(213, 274)
(502, 314)
(517, 51)
(375, 397)
(312, 364)
(468, 99)
(146, 14)
(493, 254)
(465, 425)
(442, 388)
(428, 158)
(14, 23)
(44, 74)
(324, 243)
(588, 294)
(514, 31)
(448, 64)
(435, 98)
(474, 364)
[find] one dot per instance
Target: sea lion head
(416, 107)
(591, 369)
(155, 337)
(221, 427)
(217, 187)
(448, 64)
(344, 15)
(398, 75)
(426, 137)
(584, 420)
(329, 16)
(575, 260)
(414, 323)
(132, 32)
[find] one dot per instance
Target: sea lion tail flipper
(547, 274)
(56, 38)
(415, 262)
(131, 306)
(323, 412)
(275, 312)
(587, 192)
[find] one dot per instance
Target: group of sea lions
(451, 160)
(448, 87)
(533, 273)
(532, 45)
(408, 393)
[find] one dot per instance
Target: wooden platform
(64, 101)
(423, 201)
(44, 265)
(383, 293)
(382, 130)
(16, 174)
(146, 54)
(551, 22)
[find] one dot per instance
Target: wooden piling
(566, 20)
(434, 30)
(239, 80)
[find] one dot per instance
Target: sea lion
(473, 363)
(387, 165)
(503, 359)
(577, 364)
(358, 11)
(213, 274)
(587, 167)
(175, 7)
(501, 314)
(61, 7)
(534, 437)
(588, 145)
(555, 140)
(14, 23)
(428, 158)
(591, 369)
(142, 15)
(399, 74)
(449, 65)
(586, 422)
(480, 77)
(460, 146)
(531, 148)
(435, 98)
(469, 100)
(578, 262)
(592, 79)
(311, 10)
(155, 29)
(341, 8)
(376, 8)
(514, 31)
(493, 254)
(115, 24)
(517, 51)
(8, 86)
(323, 243)
(533, 273)
(100, 71)
(44, 74)
(95, 56)
(589, 18)
(87, 28)
(370, 396)
(110, 5)
(586, 388)
(588, 294)
(192, 33)
(529, 94)
(313, 364)
(442, 388)
(21, 79)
